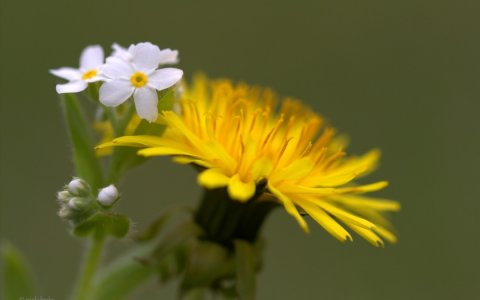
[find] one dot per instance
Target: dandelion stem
(84, 284)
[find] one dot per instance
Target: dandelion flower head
(246, 140)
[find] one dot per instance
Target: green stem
(118, 156)
(125, 120)
(112, 116)
(84, 284)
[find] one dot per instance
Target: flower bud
(64, 196)
(78, 203)
(78, 187)
(108, 195)
(65, 213)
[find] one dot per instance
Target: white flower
(168, 56)
(108, 195)
(138, 77)
(91, 60)
(121, 52)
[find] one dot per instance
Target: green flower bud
(64, 196)
(65, 212)
(79, 204)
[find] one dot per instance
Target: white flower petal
(91, 58)
(145, 56)
(168, 56)
(97, 78)
(164, 78)
(72, 87)
(146, 100)
(67, 73)
(117, 68)
(115, 92)
(121, 52)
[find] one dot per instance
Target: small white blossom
(108, 195)
(139, 77)
(168, 56)
(91, 60)
(121, 52)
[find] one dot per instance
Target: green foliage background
(403, 76)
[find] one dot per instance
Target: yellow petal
(335, 180)
(185, 160)
(386, 234)
(369, 202)
(382, 225)
(369, 235)
(327, 222)
(139, 141)
(344, 215)
(364, 188)
(299, 189)
(212, 178)
(239, 190)
(369, 160)
(261, 168)
(105, 145)
(296, 170)
(289, 207)
(174, 120)
(161, 151)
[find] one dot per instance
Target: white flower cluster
(133, 71)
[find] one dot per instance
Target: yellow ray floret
(239, 138)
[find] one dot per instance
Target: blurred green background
(403, 76)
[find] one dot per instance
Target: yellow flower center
(139, 79)
(89, 74)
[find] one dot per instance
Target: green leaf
(104, 224)
(86, 163)
(18, 282)
(124, 275)
(244, 254)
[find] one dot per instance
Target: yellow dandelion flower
(246, 146)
